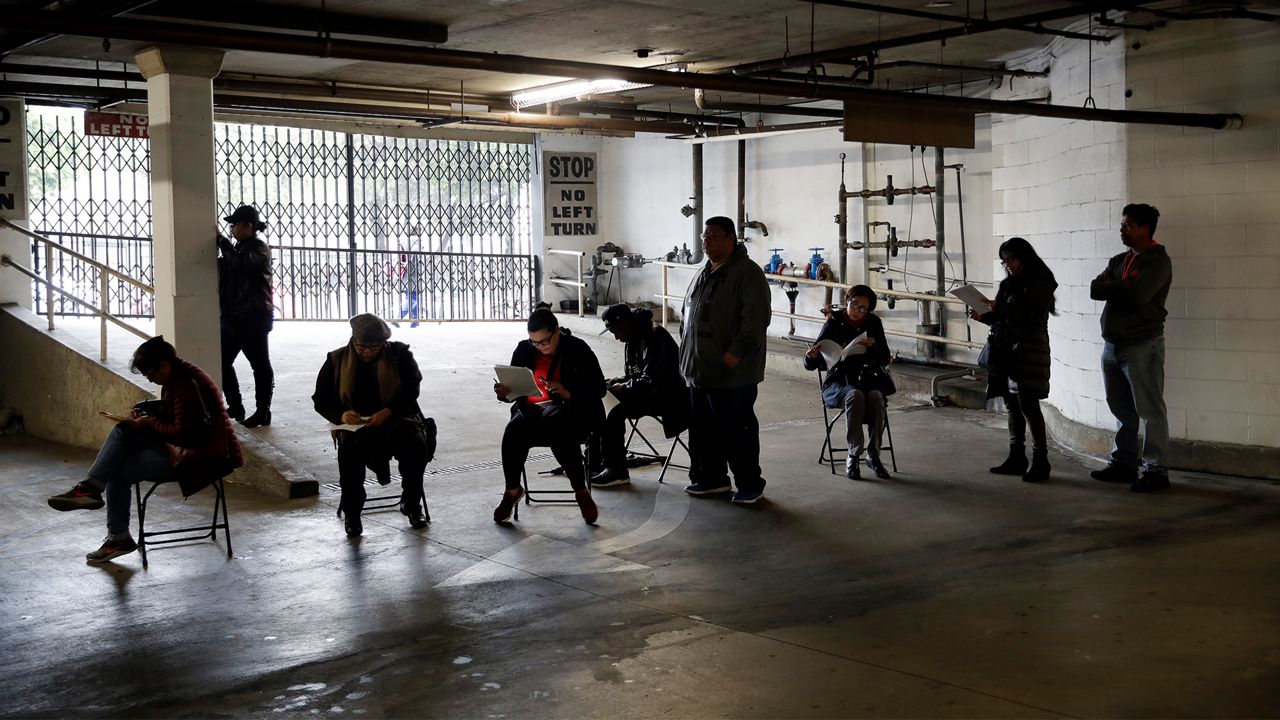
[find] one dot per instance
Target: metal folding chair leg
(677, 441)
(186, 534)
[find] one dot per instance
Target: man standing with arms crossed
(722, 353)
(1134, 286)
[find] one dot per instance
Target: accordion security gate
(401, 227)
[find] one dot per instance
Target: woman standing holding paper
(855, 382)
(569, 404)
(1018, 358)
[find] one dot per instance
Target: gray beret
(367, 328)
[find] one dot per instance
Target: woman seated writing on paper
(568, 405)
(374, 382)
(858, 382)
(184, 436)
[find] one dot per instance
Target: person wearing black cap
(375, 383)
(651, 385)
(244, 298)
(571, 387)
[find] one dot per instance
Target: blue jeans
(127, 456)
(1133, 376)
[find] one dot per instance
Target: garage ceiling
(700, 36)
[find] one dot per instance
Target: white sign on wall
(13, 159)
(569, 180)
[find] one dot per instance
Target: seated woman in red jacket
(188, 438)
(569, 406)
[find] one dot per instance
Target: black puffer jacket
(1020, 336)
(579, 371)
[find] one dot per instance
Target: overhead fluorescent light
(572, 89)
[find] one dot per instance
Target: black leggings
(531, 427)
(1024, 411)
(247, 332)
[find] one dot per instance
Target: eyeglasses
(1008, 261)
(361, 347)
(542, 343)
(858, 308)
(711, 234)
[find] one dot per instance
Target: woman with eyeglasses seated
(857, 383)
(1018, 355)
(570, 404)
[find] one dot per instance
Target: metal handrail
(920, 297)
(578, 255)
(105, 273)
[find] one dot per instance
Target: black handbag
(875, 377)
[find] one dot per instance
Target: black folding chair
(830, 454)
(653, 455)
(557, 497)
(190, 533)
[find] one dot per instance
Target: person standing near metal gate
(244, 298)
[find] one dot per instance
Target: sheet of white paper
(350, 426)
(855, 346)
(972, 297)
(833, 353)
(519, 380)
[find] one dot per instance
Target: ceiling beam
(974, 24)
(173, 34)
(851, 51)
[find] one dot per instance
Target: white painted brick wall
(1219, 197)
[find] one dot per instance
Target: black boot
(235, 409)
(259, 418)
(1016, 463)
(262, 413)
(1039, 470)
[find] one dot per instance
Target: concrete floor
(946, 592)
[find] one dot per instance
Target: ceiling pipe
(700, 99)
(976, 69)
(71, 72)
(254, 15)
(974, 24)
(844, 53)
(166, 33)
(101, 96)
(68, 6)
(635, 112)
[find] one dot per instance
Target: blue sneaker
(709, 488)
(746, 497)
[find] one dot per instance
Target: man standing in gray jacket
(1134, 286)
(722, 349)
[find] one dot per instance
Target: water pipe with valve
(775, 263)
(815, 261)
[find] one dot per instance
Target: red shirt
(541, 370)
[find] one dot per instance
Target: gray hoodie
(1135, 310)
(725, 310)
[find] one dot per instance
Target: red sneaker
(81, 497)
(507, 508)
(588, 506)
(111, 549)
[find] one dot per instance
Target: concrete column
(14, 286)
(184, 199)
